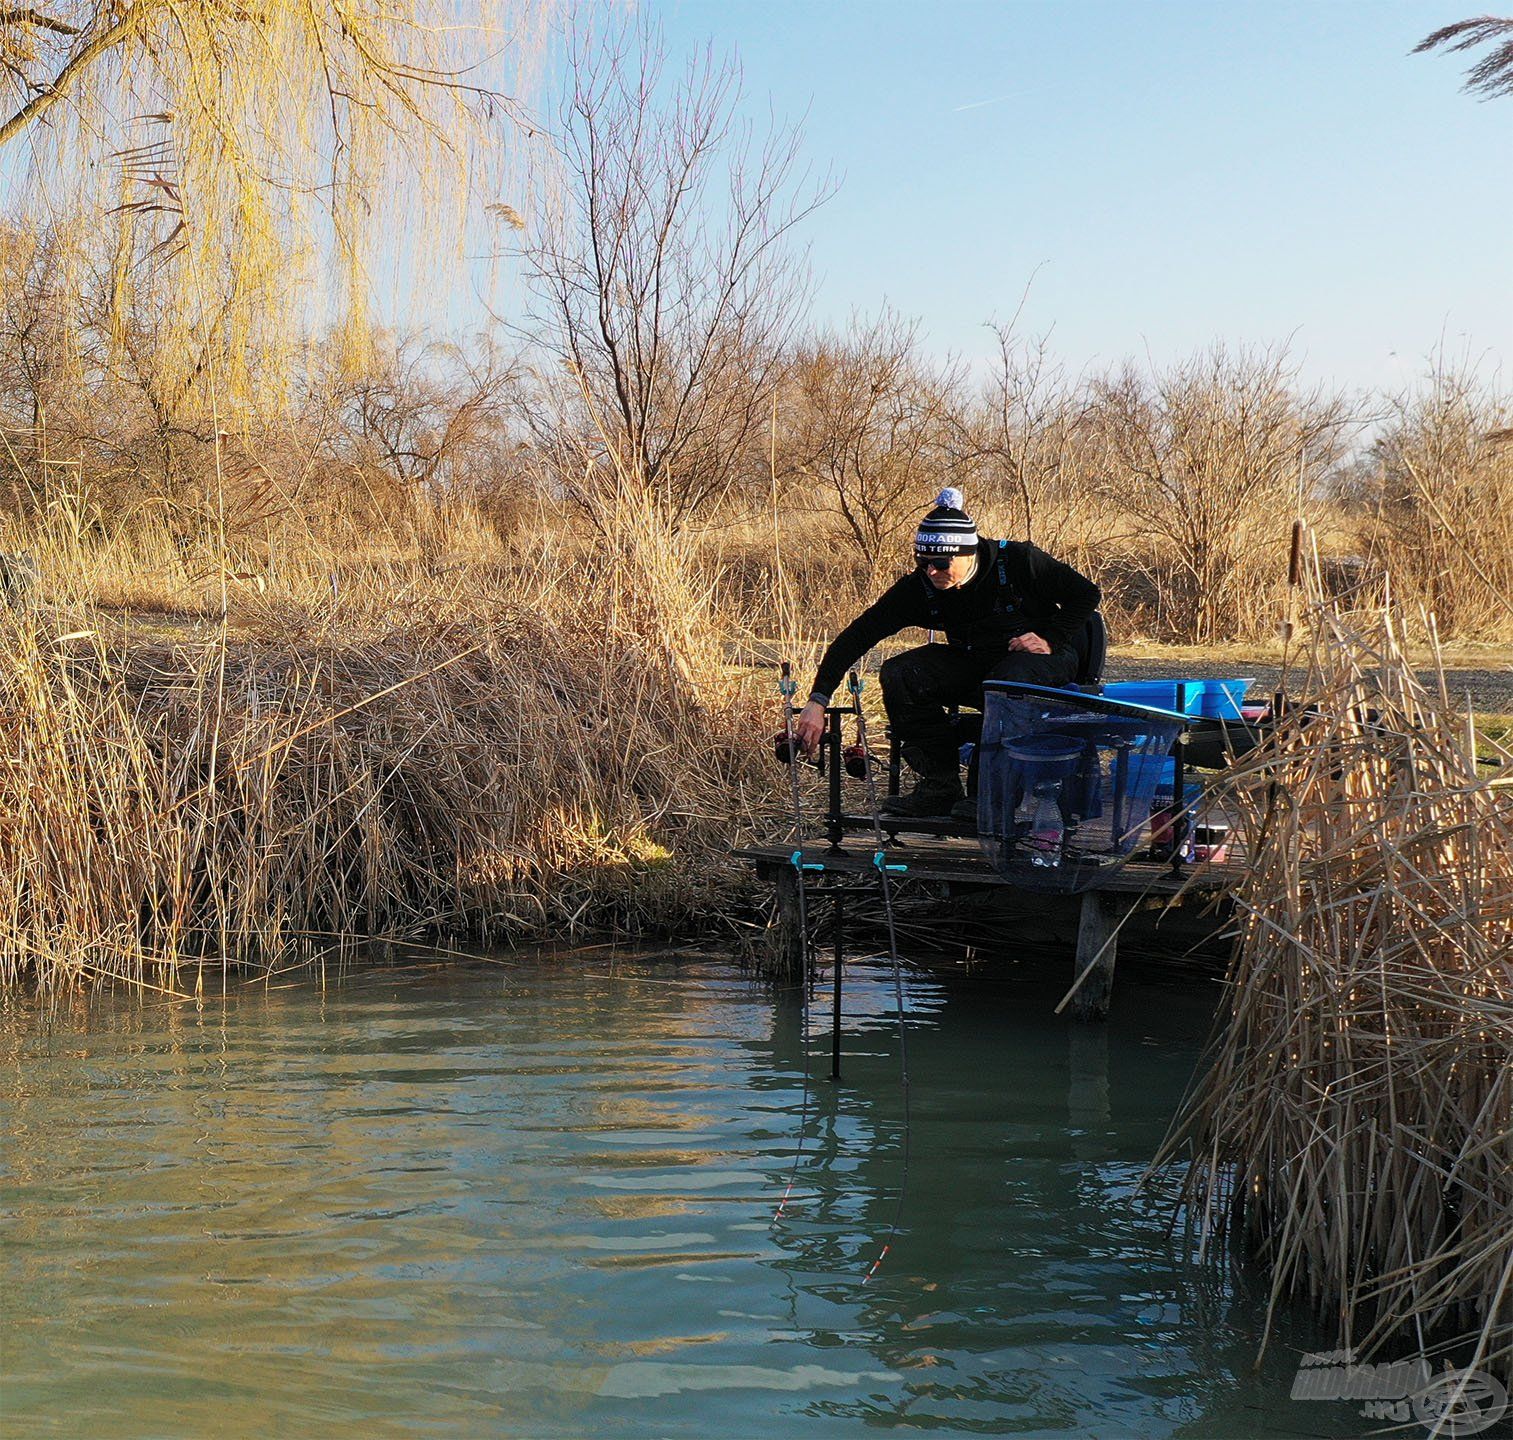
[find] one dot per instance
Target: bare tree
(1211, 459)
(1492, 74)
(69, 410)
(33, 328)
(1037, 448)
(659, 262)
(873, 425)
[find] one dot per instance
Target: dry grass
(466, 747)
(1355, 1123)
(259, 746)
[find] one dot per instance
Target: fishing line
(879, 862)
(786, 690)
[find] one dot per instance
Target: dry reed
(476, 753)
(1354, 1127)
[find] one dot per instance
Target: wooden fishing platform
(953, 868)
(941, 861)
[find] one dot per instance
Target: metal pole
(837, 770)
(835, 994)
(1179, 786)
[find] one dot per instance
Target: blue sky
(1169, 173)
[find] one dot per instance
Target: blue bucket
(1222, 699)
(1099, 734)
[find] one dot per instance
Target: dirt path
(1483, 671)
(1491, 689)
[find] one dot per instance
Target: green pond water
(536, 1198)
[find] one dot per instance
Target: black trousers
(919, 684)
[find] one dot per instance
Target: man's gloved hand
(1030, 643)
(809, 728)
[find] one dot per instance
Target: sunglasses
(934, 562)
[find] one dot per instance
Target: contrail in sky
(978, 104)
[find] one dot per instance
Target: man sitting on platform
(1009, 612)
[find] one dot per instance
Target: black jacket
(1017, 588)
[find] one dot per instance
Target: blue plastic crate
(1156, 694)
(1217, 699)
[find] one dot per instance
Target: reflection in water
(537, 1200)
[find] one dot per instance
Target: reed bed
(1353, 1125)
(465, 758)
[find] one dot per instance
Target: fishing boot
(938, 787)
(964, 811)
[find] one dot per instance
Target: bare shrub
(422, 416)
(870, 427)
(1211, 459)
(1039, 453)
(1435, 500)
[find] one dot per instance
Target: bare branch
(1490, 76)
(660, 266)
(26, 15)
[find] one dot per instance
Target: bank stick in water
(884, 872)
(786, 689)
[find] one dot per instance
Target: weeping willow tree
(243, 168)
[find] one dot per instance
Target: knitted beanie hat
(947, 529)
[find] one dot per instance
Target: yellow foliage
(232, 153)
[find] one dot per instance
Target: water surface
(536, 1197)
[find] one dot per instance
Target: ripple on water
(539, 1202)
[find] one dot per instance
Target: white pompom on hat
(947, 529)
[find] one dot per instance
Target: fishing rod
(884, 870)
(786, 689)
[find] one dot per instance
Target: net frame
(1124, 747)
